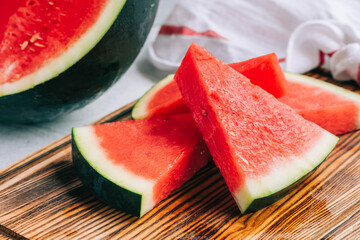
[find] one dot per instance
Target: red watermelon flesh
(150, 157)
(169, 100)
(331, 107)
(260, 145)
(265, 72)
(334, 108)
(34, 30)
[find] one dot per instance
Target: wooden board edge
(8, 234)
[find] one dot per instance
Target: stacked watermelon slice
(262, 146)
(333, 108)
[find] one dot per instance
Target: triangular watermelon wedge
(333, 108)
(261, 146)
(164, 98)
(133, 165)
(263, 71)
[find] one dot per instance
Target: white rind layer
(140, 111)
(344, 93)
(73, 54)
(290, 171)
(89, 147)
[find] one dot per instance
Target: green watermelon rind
(89, 77)
(332, 88)
(109, 183)
(287, 176)
(139, 110)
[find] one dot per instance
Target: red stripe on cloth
(322, 56)
(281, 60)
(182, 30)
(358, 74)
(331, 53)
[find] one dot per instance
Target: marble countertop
(19, 140)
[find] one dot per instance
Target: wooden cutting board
(42, 198)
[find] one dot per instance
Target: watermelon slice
(133, 165)
(331, 107)
(164, 98)
(56, 56)
(334, 108)
(261, 146)
(263, 71)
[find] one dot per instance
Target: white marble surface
(19, 140)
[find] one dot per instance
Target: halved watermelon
(56, 56)
(261, 146)
(334, 108)
(263, 71)
(132, 165)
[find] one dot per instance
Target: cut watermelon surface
(57, 56)
(168, 100)
(333, 108)
(264, 71)
(32, 40)
(133, 165)
(260, 145)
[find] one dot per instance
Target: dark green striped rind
(102, 188)
(266, 201)
(87, 79)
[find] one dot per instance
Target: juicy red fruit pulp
(328, 110)
(248, 132)
(169, 101)
(35, 31)
(164, 150)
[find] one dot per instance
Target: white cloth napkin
(304, 34)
